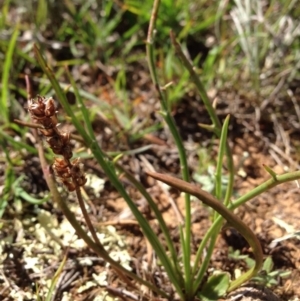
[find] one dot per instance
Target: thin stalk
(209, 233)
(272, 182)
(186, 242)
(41, 127)
(210, 109)
(86, 215)
(213, 232)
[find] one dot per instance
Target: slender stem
(210, 109)
(82, 206)
(272, 182)
(186, 241)
(41, 127)
(86, 216)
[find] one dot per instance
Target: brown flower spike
(70, 173)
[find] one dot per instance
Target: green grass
(243, 41)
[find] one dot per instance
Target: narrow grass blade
(18, 144)
(41, 13)
(55, 279)
(4, 101)
(4, 12)
(222, 149)
(6, 193)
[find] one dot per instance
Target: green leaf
(20, 192)
(268, 264)
(215, 287)
(122, 119)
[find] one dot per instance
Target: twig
(122, 292)
(39, 126)
(124, 222)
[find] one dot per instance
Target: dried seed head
(60, 166)
(43, 112)
(48, 132)
(70, 185)
(50, 107)
(65, 138)
(63, 173)
(70, 174)
(36, 109)
(78, 173)
(55, 143)
(67, 152)
(47, 122)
